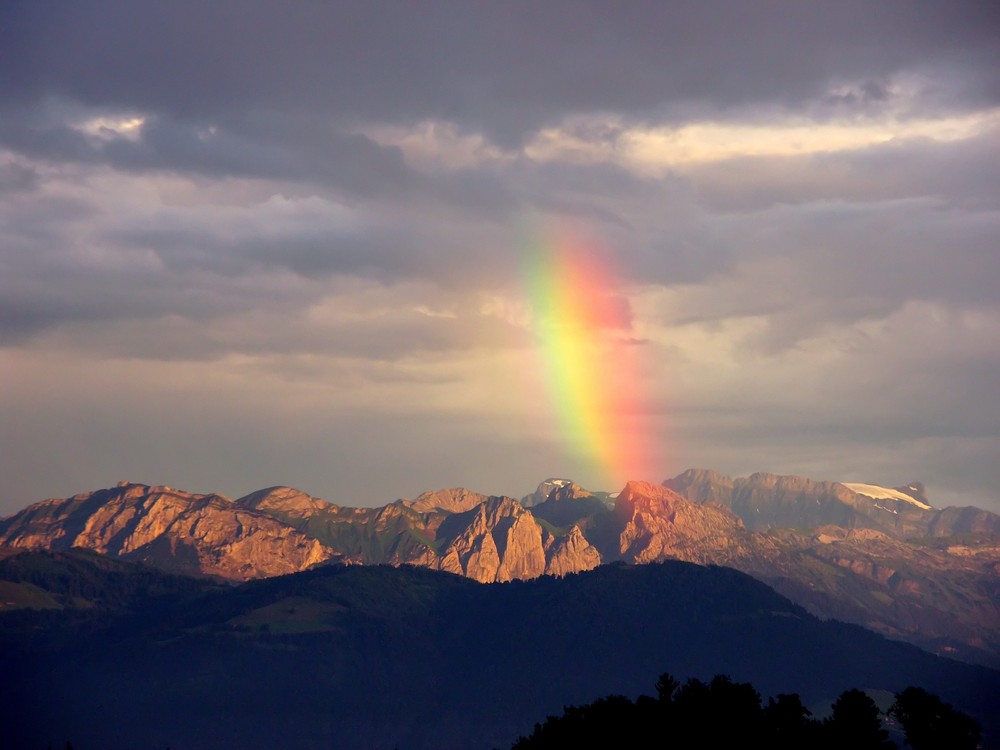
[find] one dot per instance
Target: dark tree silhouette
(856, 723)
(724, 714)
(666, 686)
(699, 707)
(787, 724)
(608, 722)
(929, 723)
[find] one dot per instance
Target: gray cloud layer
(499, 67)
(243, 244)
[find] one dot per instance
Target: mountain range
(876, 556)
(358, 656)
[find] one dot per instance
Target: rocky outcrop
(570, 553)
(285, 500)
(953, 521)
(175, 531)
(456, 530)
(657, 524)
(454, 500)
(500, 540)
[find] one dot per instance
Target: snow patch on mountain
(883, 493)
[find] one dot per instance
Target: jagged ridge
(817, 542)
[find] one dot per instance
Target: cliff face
(500, 540)
(657, 523)
(456, 530)
(175, 531)
(764, 501)
(571, 553)
(952, 521)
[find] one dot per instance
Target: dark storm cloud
(271, 147)
(348, 160)
(502, 68)
(254, 90)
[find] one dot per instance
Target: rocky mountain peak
(638, 496)
(174, 530)
(546, 488)
(782, 483)
(452, 500)
(656, 523)
(709, 476)
(568, 492)
(699, 485)
(282, 499)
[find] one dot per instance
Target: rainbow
(589, 362)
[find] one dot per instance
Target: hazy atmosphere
(248, 244)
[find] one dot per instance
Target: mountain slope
(387, 657)
(173, 530)
(458, 531)
(944, 596)
(765, 501)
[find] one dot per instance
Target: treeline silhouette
(726, 714)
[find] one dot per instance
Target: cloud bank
(243, 245)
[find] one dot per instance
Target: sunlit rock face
(656, 523)
(500, 540)
(938, 591)
(284, 500)
(281, 530)
(571, 553)
(177, 531)
(454, 500)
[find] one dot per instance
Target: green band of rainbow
(581, 321)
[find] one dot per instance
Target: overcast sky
(255, 243)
